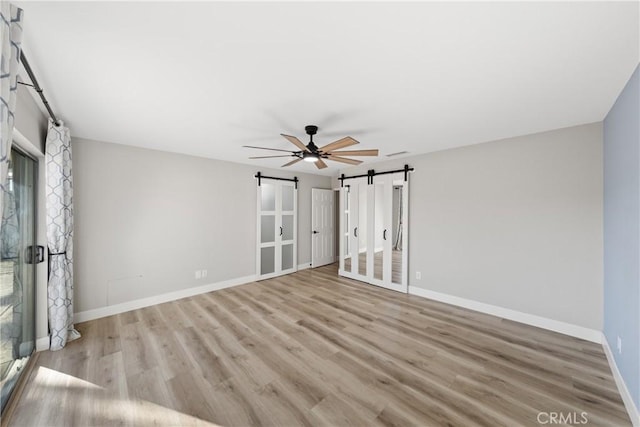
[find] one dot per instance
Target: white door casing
(322, 225)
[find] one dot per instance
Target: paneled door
(17, 271)
(355, 257)
(322, 227)
(277, 228)
(374, 230)
(390, 225)
(344, 225)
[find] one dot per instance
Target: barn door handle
(281, 231)
(355, 232)
(384, 234)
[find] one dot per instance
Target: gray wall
(515, 223)
(622, 234)
(30, 121)
(145, 220)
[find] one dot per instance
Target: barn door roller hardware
(260, 177)
(371, 173)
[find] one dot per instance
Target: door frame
(42, 319)
(37, 211)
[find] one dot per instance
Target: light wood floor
(314, 349)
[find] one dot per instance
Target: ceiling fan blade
(265, 148)
(347, 141)
(320, 164)
(345, 160)
(292, 162)
(295, 141)
(267, 157)
(355, 153)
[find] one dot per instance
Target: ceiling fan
(311, 153)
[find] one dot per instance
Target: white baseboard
(110, 310)
(42, 344)
(632, 409)
(517, 316)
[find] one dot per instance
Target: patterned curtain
(60, 235)
(10, 39)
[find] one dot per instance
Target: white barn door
(374, 231)
(277, 228)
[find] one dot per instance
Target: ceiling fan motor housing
(311, 130)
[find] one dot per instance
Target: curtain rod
(36, 86)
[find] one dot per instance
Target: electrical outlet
(418, 275)
(619, 345)
(198, 274)
(204, 273)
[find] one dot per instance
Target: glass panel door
(398, 221)
(380, 233)
(17, 273)
(267, 218)
(350, 208)
(374, 227)
(277, 228)
(286, 205)
(399, 224)
(356, 235)
(362, 229)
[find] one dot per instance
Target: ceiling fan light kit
(312, 154)
(310, 157)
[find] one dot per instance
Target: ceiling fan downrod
(311, 130)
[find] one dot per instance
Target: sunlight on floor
(88, 404)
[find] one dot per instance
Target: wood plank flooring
(313, 349)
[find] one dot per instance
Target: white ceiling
(206, 78)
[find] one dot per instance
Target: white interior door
(277, 225)
(322, 225)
